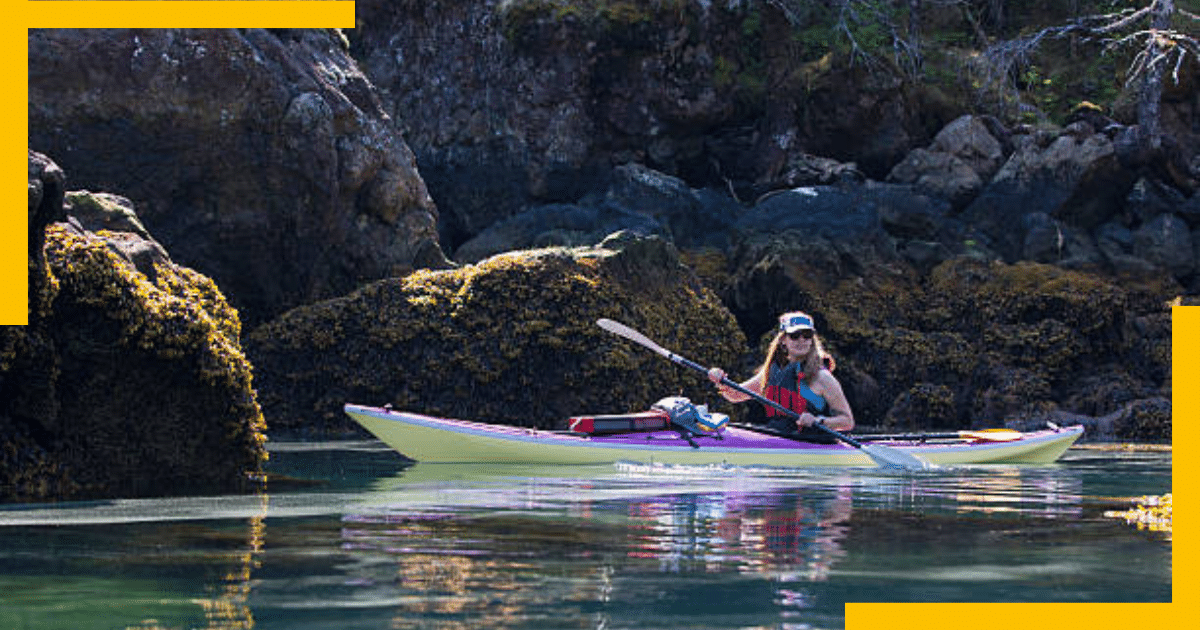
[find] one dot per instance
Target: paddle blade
(992, 435)
(617, 328)
(894, 459)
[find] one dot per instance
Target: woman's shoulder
(826, 377)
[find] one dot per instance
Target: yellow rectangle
(339, 14)
(14, 233)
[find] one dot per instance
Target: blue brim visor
(793, 323)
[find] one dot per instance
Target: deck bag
(655, 420)
(693, 418)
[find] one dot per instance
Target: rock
(1077, 182)
(1149, 198)
(1166, 241)
(970, 140)
(47, 185)
(692, 218)
(1190, 210)
(511, 340)
(814, 211)
(923, 405)
(639, 199)
(555, 225)
(532, 106)
(263, 159)
(962, 157)
(93, 212)
(1044, 238)
(939, 174)
(120, 385)
(1147, 419)
(804, 169)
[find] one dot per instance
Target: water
(375, 543)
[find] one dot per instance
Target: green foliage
(522, 18)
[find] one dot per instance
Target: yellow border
(14, 233)
(214, 14)
(1186, 332)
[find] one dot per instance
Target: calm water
(378, 544)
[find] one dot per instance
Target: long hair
(815, 359)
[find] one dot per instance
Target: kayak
(441, 440)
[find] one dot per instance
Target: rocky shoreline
(367, 249)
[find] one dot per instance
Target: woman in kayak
(797, 374)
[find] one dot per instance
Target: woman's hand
(716, 375)
(807, 420)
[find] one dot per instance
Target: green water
(375, 543)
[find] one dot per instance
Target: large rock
(121, 385)
(260, 158)
(638, 199)
(963, 156)
(971, 140)
(971, 344)
(512, 340)
(1166, 241)
(1073, 178)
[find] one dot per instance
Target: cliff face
(534, 101)
(261, 158)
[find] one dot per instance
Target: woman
(797, 374)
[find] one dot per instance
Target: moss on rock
(973, 343)
(125, 386)
(510, 340)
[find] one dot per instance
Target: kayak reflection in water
(798, 374)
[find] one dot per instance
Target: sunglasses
(805, 334)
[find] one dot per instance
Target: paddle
(881, 455)
(982, 435)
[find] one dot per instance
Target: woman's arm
(732, 395)
(840, 418)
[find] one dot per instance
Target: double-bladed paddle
(881, 455)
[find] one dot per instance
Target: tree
(1159, 35)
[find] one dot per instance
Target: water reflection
(777, 533)
(439, 546)
(1036, 491)
(461, 542)
(228, 608)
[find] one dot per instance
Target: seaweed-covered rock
(119, 385)
(972, 344)
(511, 340)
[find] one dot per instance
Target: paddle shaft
(906, 437)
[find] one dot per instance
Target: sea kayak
(441, 440)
